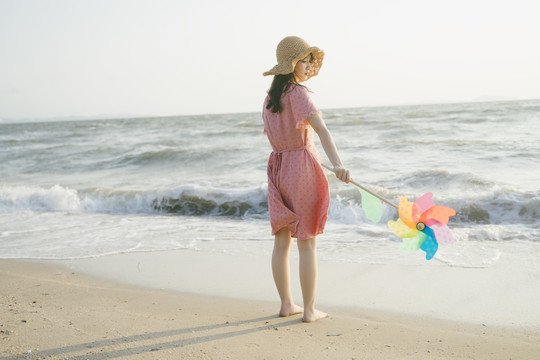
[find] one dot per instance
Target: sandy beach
(93, 309)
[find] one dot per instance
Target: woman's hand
(342, 173)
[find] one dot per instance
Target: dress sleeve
(302, 106)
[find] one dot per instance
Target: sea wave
(194, 200)
(498, 206)
(440, 178)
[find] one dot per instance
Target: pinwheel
(421, 224)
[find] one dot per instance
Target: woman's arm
(317, 123)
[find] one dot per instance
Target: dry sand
(49, 311)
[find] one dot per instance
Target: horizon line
(128, 116)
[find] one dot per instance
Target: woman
(298, 195)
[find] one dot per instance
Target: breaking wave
(499, 205)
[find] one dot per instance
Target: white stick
(363, 188)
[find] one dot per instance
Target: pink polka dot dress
(298, 195)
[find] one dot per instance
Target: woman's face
(301, 70)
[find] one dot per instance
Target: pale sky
(71, 58)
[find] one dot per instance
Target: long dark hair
(280, 84)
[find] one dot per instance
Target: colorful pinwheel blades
(422, 225)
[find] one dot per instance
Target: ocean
(90, 188)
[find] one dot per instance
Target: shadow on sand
(97, 349)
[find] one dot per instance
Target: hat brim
(287, 66)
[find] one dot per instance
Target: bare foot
(314, 316)
(290, 310)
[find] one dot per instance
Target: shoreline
(499, 295)
(51, 311)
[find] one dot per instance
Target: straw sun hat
(292, 49)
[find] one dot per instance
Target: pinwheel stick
(366, 190)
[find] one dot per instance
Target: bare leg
(308, 278)
(282, 274)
